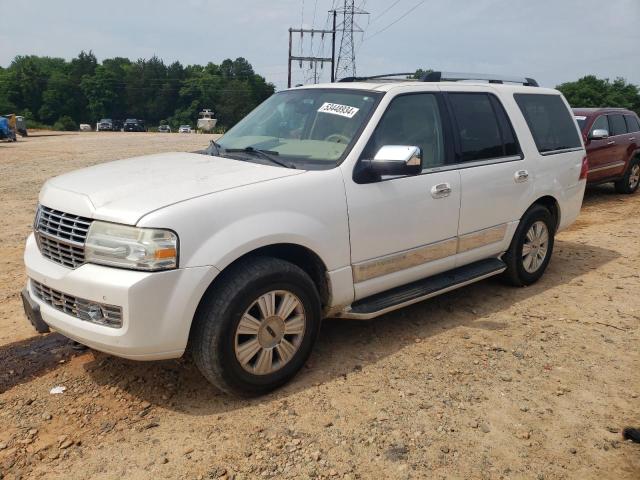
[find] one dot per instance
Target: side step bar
(384, 302)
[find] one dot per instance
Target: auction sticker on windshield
(337, 109)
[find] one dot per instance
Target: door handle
(611, 142)
(521, 176)
(441, 190)
(632, 139)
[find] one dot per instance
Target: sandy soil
(485, 382)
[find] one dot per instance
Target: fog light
(94, 311)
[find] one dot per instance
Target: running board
(381, 303)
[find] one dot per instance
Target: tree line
(56, 92)
(591, 92)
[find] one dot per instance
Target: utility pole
(313, 61)
(346, 64)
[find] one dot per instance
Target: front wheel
(531, 247)
(256, 327)
(629, 183)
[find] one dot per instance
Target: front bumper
(157, 307)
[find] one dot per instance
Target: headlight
(131, 247)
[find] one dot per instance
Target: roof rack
(384, 76)
(445, 77)
(456, 77)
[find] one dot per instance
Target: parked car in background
(134, 125)
(7, 130)
(118, 125)
(164, 129)
(105, 125)
(612, 140)
(184, 129)
(346, 200)
(21, 126)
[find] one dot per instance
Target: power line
(380, 15)
(396, 20)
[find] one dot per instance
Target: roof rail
(456, 77)
(385, 76)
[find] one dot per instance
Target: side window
(618, 126)
(632, 123)
(477, 126)
(549, 121)
(412, 119)
(601, 123)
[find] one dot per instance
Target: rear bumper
(570, 208)
(157, 308)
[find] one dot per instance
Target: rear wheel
(531, 247)
(256, 327)
(629, 183)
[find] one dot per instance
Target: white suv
(343, 200)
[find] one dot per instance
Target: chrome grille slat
(77, 307)
(61, 236)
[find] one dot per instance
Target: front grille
(61, 236)
(94, 312)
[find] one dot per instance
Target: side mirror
(395, 160)
(598, 134)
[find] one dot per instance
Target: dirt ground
(486, 382)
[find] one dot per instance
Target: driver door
(405, 228)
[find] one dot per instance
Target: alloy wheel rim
(634, 178)
(270, 332)
(535, 247)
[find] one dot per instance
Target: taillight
(584, 171)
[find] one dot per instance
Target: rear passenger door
(494, 176)
(619, 144)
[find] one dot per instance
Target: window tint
(549, 120)
(632, 123)
(477, 126)
(601, 123)
(411, 120)
(618, 127)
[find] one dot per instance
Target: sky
(553, 41)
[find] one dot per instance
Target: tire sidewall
(231, 370)
(627, 177)
(534, 215)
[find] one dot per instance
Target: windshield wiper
(266, 154)
(214, 148)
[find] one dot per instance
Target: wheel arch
(551, 204)
(301, 256)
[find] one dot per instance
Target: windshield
(308, 128)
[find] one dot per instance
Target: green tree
(590, 91)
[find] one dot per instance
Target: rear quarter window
(632, 123)
(550, 122)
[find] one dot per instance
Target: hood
(124, 191)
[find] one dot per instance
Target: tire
(631, 179)
(223, 336)
(527, 269)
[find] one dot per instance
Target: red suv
(612, 139)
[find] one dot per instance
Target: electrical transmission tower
(346, 64)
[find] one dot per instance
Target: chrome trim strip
(406, 259)
(606, 167)
(564, 150)
(481, 238)
(476, 163)
(347, 313)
